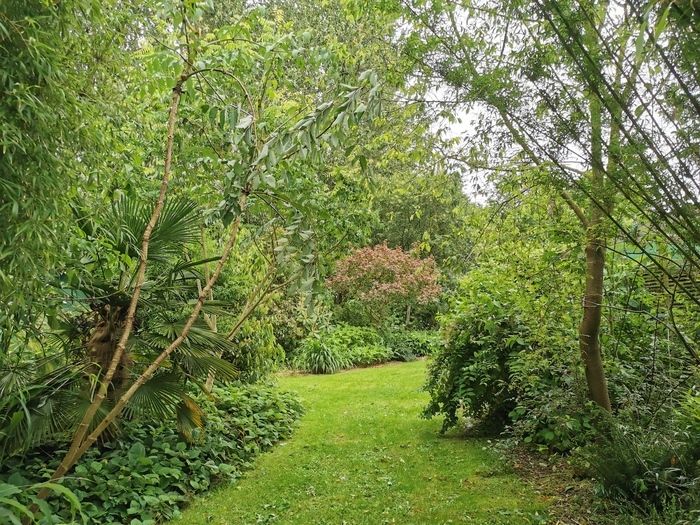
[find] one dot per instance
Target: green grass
(363, 455)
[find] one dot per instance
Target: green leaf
(269, 179)
(263, 153)
(639, 44)
(8, 490)
(137, 451)
(662, 22)
(244, 122)
(363, 163)
(61, 490)
(22, 509)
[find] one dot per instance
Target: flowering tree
(385, 279)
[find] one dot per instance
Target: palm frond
(126, 225)
(14, 379)
(161, 332)
(201, 336)
(73, 405)
(159, 396)
(177, 226)
(190, 417)
(46, 407)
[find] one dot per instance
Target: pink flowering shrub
(384, 278)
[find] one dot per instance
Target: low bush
(346, 346)
(552, 411)
(149, 472)
(558, 424)
(319, 357)
(340, 347)
(368, 355)
(621, 512)
(406, 345)
(348, 337)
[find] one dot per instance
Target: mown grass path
(362, 455)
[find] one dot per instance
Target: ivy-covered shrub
(407, 345)
(148, 472)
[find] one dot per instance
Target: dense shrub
(407, 345)
(472, 372)
(508, 361)
(149, 472)
(353, 312)
(551, 409)
(384, 281)
(255, 352)
(294, 318)
(511, 357)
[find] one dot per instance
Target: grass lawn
(363, 455)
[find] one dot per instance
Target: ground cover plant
(340, 347)
(151, 471)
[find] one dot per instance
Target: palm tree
(43, 397)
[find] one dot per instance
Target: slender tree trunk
(589, 329)
(210, 319)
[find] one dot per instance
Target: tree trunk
(209, 319)
(589, 329)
